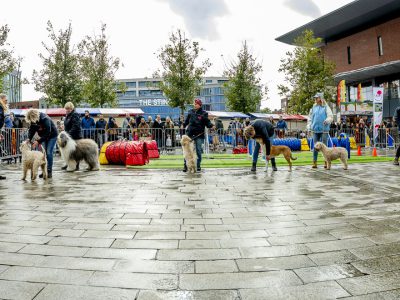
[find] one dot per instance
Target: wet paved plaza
(221, 234)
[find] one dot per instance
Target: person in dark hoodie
(41, 124)
(196, 121)
(101, 130)
(264, 130)
(111, 129)
(88, 126)
(72, 125)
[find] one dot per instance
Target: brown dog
(278, 150)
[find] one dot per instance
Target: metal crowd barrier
(9, 144)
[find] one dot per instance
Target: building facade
(362, 39)
(12, 87)
(144, 93)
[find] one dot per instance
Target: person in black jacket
(196, 121)
(72, 125)
(3, 107)
(397, 118)
(264, 130)
(101, 130)
(41, 124)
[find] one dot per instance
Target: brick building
(363, 40)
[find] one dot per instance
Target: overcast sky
(138, 28)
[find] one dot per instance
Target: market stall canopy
(92, 111)
(226, 114)
(285, 117)
(58, 112)
(120, 111)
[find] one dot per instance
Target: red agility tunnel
(127, 153)
(152, 148)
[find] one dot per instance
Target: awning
(17, 112)
(92, 111)
(369, 72)
(227, 114)
(134, 111)
(55, 112)
(265, 116)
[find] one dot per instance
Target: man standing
(319, 121)
(3, 109)
(72, 125)
(88, 126)
(157, 131)
(397, 118)
(197, 120)
(41, 124)
(101, 130)
(265, 131)
(126, 126)
(281, 126)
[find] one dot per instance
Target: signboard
(145, 102)
(341, 92)
(378, 109)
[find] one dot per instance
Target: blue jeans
(49, 146)
(319, 137)
(198, 144)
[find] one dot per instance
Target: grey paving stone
(192, 227)
(3, 268)
(24, 239)
(216, 266)
(274, 251)
(166, 221)
(130, 221)
(46, 275)
(77, 263)
(81, 242)
(327, 273)
(33, 231)
(180, 235)
(217, 235)
(274, 263)
(376, 251)
(300, 239)
(54, 250)
(109, 234)
(10, 247)
(189, 295)
(198, 254)
(339, 245)
(58, 292)
(146, 244)
(9, 229)
(334, 257)
(19, 290)
(199, 244)
(248, 234)
(234, 243)
(148, 228)
(385, 238)
(237, 280)
(155, 266)
(17, 259)
(391, 295)
(378, 265)
(371, 283)
(202, 221)
(66, 232)
(315, 291)
(90, 226)
(135, 280)
(121, 253)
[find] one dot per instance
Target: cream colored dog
(189, 153)
(332, 154)
(32, 160)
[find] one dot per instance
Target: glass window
(143, 83)
(222, 81)
(209, 81)
(380, 46)
(349, 55)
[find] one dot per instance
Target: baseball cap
(198, 102)
(319, 95)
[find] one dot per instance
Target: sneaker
(185, 169)
(396, 161)
(2, 177)
(198, 169)
(274, 169)
(49, 175)
(64, 168)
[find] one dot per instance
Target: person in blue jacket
(281, 126)
(88, 125)
(319, 121)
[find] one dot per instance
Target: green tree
(244, 89)
(181, 77)
(7, 61)
(59, 79)
(266, 110)
(98, 69)
(307, 72)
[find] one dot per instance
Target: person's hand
(268, 157)
(1, 137)
(325, 122)
(35, 144)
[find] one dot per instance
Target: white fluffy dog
(74, 151)
(189, 153)
(332, 154)
(32, 160)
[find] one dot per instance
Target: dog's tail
(291, 156)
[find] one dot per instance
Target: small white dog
(32, 160)
(189, 153)
(332, 154)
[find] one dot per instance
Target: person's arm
(329, 115)
(1, 117)
(267, 140)
(187, 120)
(309, 121)
(207, 121)
(93, 124)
